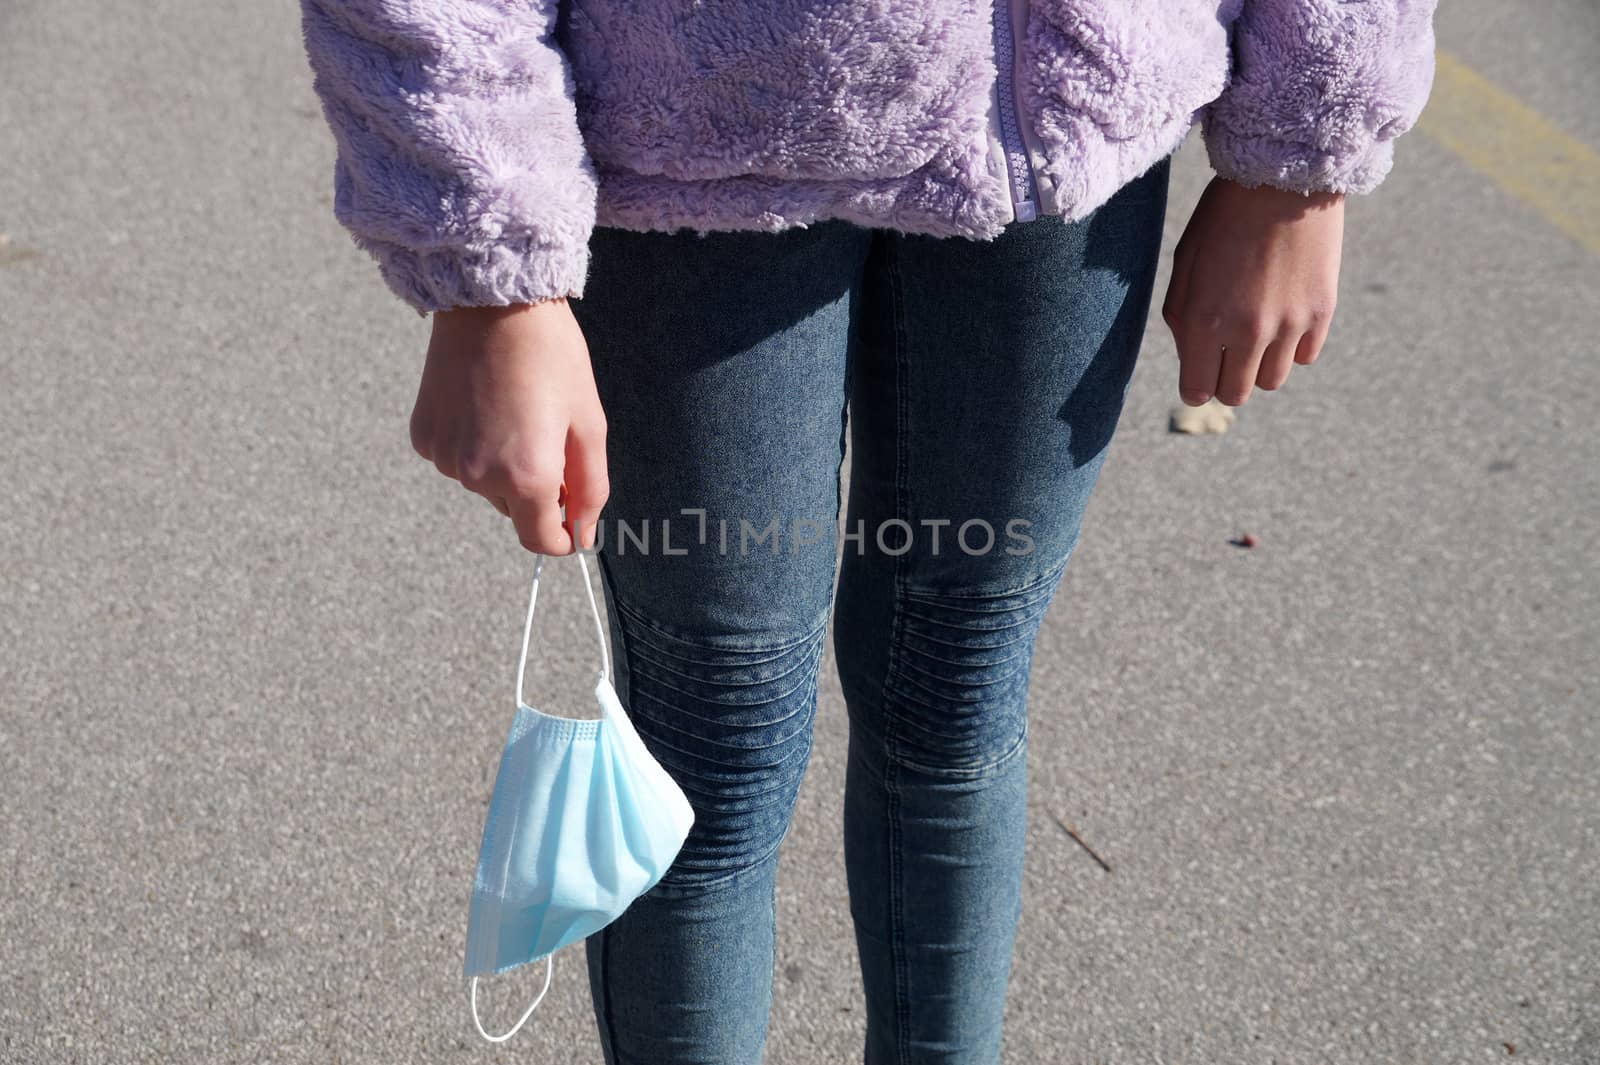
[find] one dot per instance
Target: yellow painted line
(1515, 147)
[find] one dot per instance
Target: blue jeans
(982, 381)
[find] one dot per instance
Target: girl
(677, 249)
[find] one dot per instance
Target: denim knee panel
(730, 717)
(954, 697)
(955, 700)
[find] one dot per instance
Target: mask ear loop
(599, 627)
(594, 610)
(550, 967)
(527, 626)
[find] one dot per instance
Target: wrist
(503, 310)
(1274, 201)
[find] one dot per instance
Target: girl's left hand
(1254, 280)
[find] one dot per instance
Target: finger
(421, 437)
(477, 478)
(587, 484)
(1240, 364)
(444, 460)
(1200, 360)
(1310, 345)
(1177, 290)
(1278, 360)
(538, 522)
(480, 486)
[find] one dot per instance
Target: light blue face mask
(581, 822)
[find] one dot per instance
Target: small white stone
(1208, 417)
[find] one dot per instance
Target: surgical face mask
(581, 822)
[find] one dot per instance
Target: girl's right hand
(508, 407)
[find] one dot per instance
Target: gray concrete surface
(256, 659)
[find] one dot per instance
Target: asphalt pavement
(1334, 798)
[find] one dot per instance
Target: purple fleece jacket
(480, 141)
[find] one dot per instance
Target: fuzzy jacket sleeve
(460, 166)
(1319, 91)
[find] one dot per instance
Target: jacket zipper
(1019, 170)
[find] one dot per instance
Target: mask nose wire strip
(550, 967)
(594, 609)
